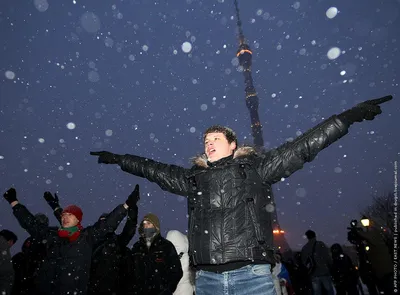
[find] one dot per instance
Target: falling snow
(333, 53)
(331, 12)
(149, 78)
(186, 47)
(10, 75)
(71, 125)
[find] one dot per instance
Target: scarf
(72, 233)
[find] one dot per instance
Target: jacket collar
(201, 160)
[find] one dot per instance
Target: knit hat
(74, 210)
(150, 217)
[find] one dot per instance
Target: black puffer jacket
(67, 264)
(107, 259)
(227, 200)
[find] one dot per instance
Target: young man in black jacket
(230, 231)
(66, 268)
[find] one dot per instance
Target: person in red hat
(71, 219)
(108, 272)
(66, 267)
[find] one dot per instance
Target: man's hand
(10, 196)
(366, 110)
(133, 197)
(52, 201)
(106, 157)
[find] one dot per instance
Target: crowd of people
(155, 265)
(71, 259)
(230, 238)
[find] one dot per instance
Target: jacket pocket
(253, 220)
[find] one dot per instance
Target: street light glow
(365, 221)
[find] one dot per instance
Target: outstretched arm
(170, 178)
(290, 157)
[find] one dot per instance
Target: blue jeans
(324, 282)
(250, 279)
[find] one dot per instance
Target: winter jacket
(156, 269)
(67, 264)
(228, 199)
(27, 264)
(343, 271)
(6, 267)
(181, 244)
(107, 259)
(322, 258)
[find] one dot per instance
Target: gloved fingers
(97, 153)
(380, 100)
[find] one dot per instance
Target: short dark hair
(228, 132)
(42, 219)
(310, 234)
(9, 235)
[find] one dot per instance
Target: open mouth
(211, 152)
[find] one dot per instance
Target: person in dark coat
(299, 277)
(108, 253)
(69, 249)
(155, 265)
(344, 273)
(229, 209)
(7, 240)
(320, 275)
(380, 259)
(27, 262)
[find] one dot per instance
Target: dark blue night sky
(117, 74)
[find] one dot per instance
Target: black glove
(366, 110)
(10, 195)
(52, 201)
(133, 197)
(107, 157)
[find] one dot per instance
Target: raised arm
(170, 178)
(130, 226)
(54, 204)
(24, 217)
(100, 229)
(290, 157)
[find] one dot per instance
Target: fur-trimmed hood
(202, 161)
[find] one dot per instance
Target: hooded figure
(155, 265)
(344, 273)
(181, 243)
(27, 262)
(107, 272)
